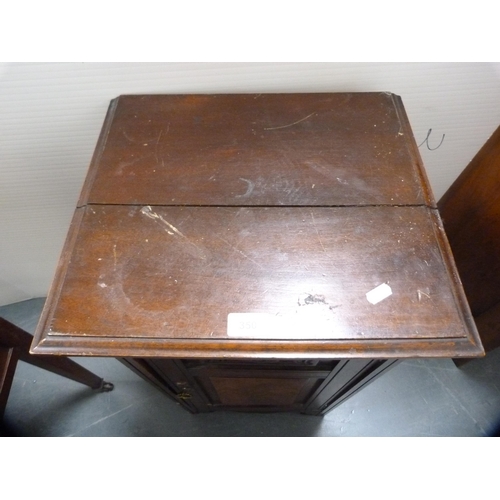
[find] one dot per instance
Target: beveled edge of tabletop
(251, 349)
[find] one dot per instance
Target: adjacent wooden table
(257, 252)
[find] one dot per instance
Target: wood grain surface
(265, 149)
(253, 226)
(177, 272)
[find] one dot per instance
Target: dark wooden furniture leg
(471, 216)
(14, 346)
(8, 363)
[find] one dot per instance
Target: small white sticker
(379, 293)
(251, 324)
(289, 326)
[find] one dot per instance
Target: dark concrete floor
(416, 398)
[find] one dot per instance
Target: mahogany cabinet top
(267, 149)
(269, 225)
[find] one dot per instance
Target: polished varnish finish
(224, 245)
(471, 215)
(251, 150)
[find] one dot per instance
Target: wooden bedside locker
(270, 252)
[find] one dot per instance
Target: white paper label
(251, 324)
(291, 326)
(379, 293)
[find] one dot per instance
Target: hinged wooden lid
(266, 149)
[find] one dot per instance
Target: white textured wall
(51, 115)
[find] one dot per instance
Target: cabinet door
(306, 386)
(347, 378)
(168, 376)
(250, 385)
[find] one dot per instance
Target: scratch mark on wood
(159, 137)
(317, 232)
(156, 147)
(171, 229)
(240, 252)
(127, 137)
(148, 212)
(114, 254)
(249, 190)
(323, 170)
(291, 124)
